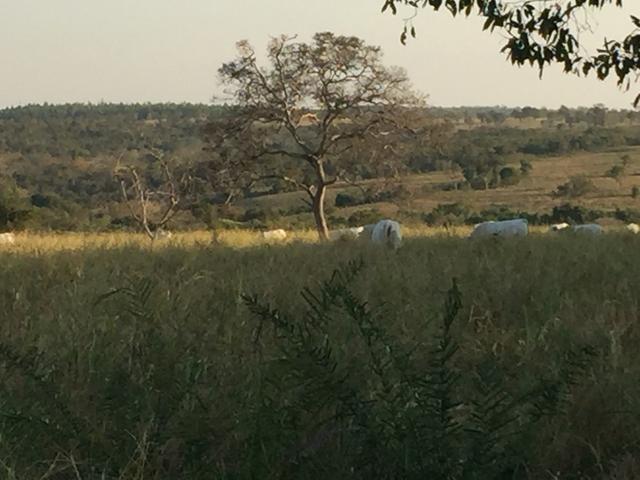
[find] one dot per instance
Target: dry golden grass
(34, 243)
(532, 194)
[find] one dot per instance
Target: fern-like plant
(380, 412)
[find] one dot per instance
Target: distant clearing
(533, 193)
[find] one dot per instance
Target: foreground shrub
(327, 413)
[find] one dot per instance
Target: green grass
(134, 362)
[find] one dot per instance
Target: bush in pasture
(635, 191)
(615, 172)
(40, 201)
(447, 214)
(363, 217)
(409, 217)
(258, 214)
(502, 212)
(576, 186)
(396, 194)
(509, 176)
(347, 200)
(446, 186)
(574, 214)
(525, 167)
(294, 210)
(455, 213)
(15, 208)
(627, 215)
(478, 183)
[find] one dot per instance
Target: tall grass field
(447, 359)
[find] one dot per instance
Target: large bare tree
(296, 118)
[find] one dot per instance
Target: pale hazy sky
(61, 51)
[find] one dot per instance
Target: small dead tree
(141, 199)
(346, 92)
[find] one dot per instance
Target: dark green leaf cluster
(543, 33)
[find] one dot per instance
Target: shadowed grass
(140, 358)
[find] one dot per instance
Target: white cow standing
(505, 228)
(387, 232)
(274, 235)
(161, 234)
(633, 228)
(346, 233)
(7, 238)
(588, 228)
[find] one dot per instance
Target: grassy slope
(532, 194)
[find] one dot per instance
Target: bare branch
(129, 179)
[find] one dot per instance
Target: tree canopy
(544, 33)
(310, 106)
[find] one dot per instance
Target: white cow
(505, 228)
(633, 228)
(161, 234)
(274, 235)
(588, 228)
(387, 232)
(7, 238)
(346, 233)
(559, 227)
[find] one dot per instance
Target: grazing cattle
(274, 235)
(7, 238)
(588, 228)
(387, 232)
(558, 227)
(346, 233)
(161, 234)
(505, 228)
(367, 230)
(633, 228)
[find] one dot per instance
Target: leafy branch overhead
(544, 33)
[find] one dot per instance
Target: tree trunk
(318, 201)
(318, 212)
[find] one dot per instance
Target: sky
(60, 51)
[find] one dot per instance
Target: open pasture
(130, 360)
(33, 243)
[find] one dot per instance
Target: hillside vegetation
(57, 167)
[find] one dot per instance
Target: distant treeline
(56, 161)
